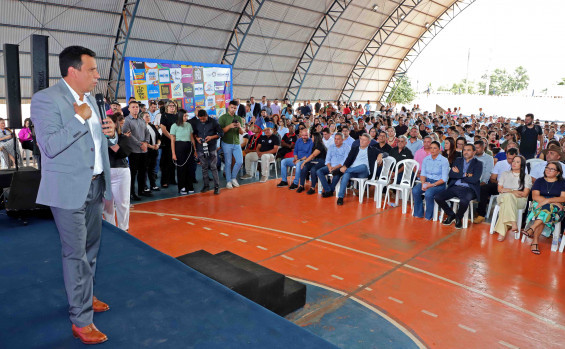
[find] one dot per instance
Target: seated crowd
(469, 158)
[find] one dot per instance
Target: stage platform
(156, 301)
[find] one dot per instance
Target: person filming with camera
(206, 134)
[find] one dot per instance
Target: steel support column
(240, 31)
(316, 41)
(129, 11)
(433, 30)
(374, 45)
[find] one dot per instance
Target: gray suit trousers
(80, 230)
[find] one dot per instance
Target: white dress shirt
(95, 126)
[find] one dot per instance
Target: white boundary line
(370, 307)
(468, 288)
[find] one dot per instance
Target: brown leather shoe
(479, 220)
(99, 306)
(89, 334)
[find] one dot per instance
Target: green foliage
(503, 82)
(402, 93)
(562, 82)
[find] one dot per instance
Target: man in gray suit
(75, 177)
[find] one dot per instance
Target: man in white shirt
(75, 178)
(327, 137)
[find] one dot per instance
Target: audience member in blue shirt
(302, 149)
(335, 158)
(433, 177)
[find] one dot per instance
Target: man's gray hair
(339, 134)
(403, 138)
(430, 137)
(366, 135)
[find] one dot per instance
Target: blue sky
(500, 34)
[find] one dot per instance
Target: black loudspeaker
(39, 62)
(23, 191)
(13, 90)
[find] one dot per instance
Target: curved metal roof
(378, 39)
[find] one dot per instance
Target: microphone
(100, 101)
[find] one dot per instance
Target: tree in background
(402, 93)
(562, 82)
(503, 82)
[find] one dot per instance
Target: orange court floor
(448, 287)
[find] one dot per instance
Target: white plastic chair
(491, 201)
(380, 183)
(562, 247)
(518, 221)
(272, 162)
(404, 187)
(455, 204)
(555, 242)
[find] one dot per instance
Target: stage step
(294, 297)
(271, 283)
(263, 286)
(234, 278)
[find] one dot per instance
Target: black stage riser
(268, 288)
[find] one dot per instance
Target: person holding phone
(232, 126)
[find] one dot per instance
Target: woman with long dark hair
(548, 194)
(313, 163)
(26, 136)
(449, 150)
(514, 188)
(182, 148)
(168, 119)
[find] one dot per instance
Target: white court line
(468, 288)
(224, 234)
(429, 313)
(241, 240)
(206, 228)
(472, 330)
(311, 267)
(337, 277)
(396, 300)
(403, 329)
(190, 223)
(175, 219)
(262, 248)
(287, 257)
(368, 288)
(508, 345)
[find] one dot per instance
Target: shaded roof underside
(199, 30)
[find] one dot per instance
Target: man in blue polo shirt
(335, 158)
(302, 149)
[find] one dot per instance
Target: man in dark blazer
(240, 109)
(75, 178)
(464, 183)
(254, 107)
(360, 163)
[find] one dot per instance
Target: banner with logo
(189, 84)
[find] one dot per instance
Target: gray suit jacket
(67, 149)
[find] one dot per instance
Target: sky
(499, 34)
